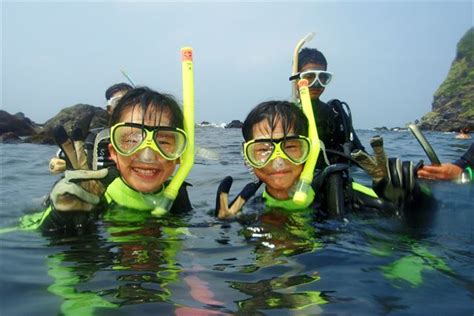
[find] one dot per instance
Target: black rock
(17, 124)
(10, 138)
(235, 124)
(84, 116)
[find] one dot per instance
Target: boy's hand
(79, 190)
(223, 209)
(392, 178)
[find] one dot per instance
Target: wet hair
(290, 115)
(311, 55)
(116, 88)
(148, 99)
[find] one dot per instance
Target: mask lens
(310, 76)
(258, 153)
(126, 139)
(296, 149)
(324, 78)
(171, 143)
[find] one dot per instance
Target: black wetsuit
(335, 130)
(466, 160)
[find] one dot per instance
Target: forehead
(263, 130)
(154, 116)
(312, 66)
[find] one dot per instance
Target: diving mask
(129, 138)
(321, 77)
(259, 152)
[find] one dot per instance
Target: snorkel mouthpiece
(304, 183)
(187, 159)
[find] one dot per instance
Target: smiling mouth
(279, 173)
(146, 173)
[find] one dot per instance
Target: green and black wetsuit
(118, 193)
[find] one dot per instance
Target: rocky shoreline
(17, 128)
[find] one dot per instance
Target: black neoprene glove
(392, 178)
(225, 210)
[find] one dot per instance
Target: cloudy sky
(388, 58)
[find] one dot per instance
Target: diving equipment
(187, 159)
(317, 78)
(67, 146)
(424, 144)
(306, 177)
(223, 208)
(76, 191)
(288, 204)
(308, 37)
(129, 138)
(259, 152)
(128, 78)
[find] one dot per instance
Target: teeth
(145, 172)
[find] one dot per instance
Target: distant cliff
(453, 102)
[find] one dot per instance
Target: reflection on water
(264, 264)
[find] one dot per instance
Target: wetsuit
(354, 200)
(335, 129)
(118, 193)
(467, 160)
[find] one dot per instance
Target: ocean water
(197, 265)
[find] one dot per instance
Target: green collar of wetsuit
(119, 192)
(289, 205)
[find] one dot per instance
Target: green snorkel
(304, 183)
(187, 160)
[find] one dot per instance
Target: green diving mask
(129, 138)
(259, 152)
(314, 77)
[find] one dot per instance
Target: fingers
(367, 163)
(395, 172)
(222, 198)
(81, 175)
(247, 192)
(408, 176)
(68, 196)
(64, 142)
(223, 209)
(446, 171)
(78, 141)
(379, 154)
(57, 165)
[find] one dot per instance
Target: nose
(278, 164)
(147, 155)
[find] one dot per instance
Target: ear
(113, 154)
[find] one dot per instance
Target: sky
(388, 58)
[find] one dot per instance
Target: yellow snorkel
(306, 177)
(294, 86)
(187, 159)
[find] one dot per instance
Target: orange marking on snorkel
(303, 83)
(187, 55)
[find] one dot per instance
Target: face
(279, 175)
(314, 92)
(146, 170)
